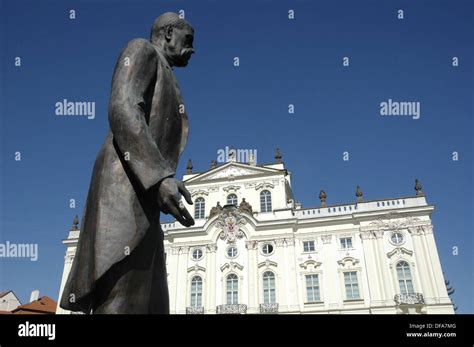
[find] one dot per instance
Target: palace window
(199, 208)
(267, 249)
(265, 201)
(346, 242)
(197, 254)
(269, 288)
(404, 278)
(352, 286)
(232, 199)
(308, 246)
(232, 291)
(196, 291)
(397, 238)
(312, 288)
(232, 252)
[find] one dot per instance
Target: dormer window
(265, 201)
(199, 208)
(232, 199)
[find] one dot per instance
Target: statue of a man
(119, 265)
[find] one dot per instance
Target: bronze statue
(119, 265)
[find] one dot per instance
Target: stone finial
(322, 197)
(189, 167)
(278, 156)
(252, 160)
(213, 164)
(359, 194)
(418, 188)
(75, 223)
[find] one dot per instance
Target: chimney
(34, 295)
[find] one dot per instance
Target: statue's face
(180, 46)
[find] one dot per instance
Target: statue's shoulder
(140, 47)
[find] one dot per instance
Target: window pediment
(311, 263)
(232, 265)
(348, 262)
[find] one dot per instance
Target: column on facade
(281, 273)
(372, 266)
(421, 264)
(210, 289)
(435, 263)
(292, 276)
(181, 279)
(385, 282)
(253, 276)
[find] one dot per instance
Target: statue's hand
(169, 200)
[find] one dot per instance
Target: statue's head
(174, 37)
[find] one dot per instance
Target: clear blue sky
(281, 62)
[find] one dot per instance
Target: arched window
(265, 201)
(199, 208)
(269, 288)
(232, 199)
(196, 291)
(404, 278)
(232, 283)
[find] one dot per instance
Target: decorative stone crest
(230, 220)
(326, 238)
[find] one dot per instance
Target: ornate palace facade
(254, 249)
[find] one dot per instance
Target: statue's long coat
(147, 135)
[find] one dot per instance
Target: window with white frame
(308, 246)
(269, 288)
(197, 254)
(265, 201)
(232, 199)
(404, 278)
(397, 238)
(312, 288)
(199, 208)
(232, 290)
(196, 291)
(232, 252)
(352, 285)
(267, 248)
(346, 242)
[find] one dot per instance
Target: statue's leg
(159, 299)
(136, 285)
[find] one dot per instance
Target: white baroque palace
(254, 249)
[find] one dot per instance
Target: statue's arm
(131, 81)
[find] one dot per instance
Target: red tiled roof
(44, 305)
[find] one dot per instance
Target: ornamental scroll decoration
(230, 220)
(392, 222)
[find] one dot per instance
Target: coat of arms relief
(230, 220)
